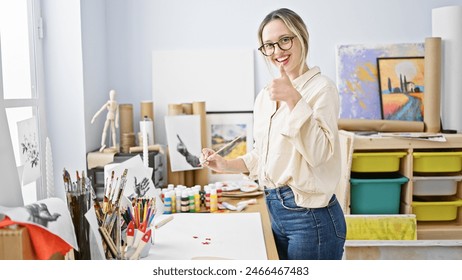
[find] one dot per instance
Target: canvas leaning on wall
(401, 87)
(184, 141)
(223, 128)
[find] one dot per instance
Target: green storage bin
(376, 195)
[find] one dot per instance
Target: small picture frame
(224, 127)
(401, 87)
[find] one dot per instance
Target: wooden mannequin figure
(112, 120)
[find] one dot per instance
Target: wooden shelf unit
(425, 230)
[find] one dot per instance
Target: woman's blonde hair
(295, 24)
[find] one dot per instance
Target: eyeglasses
(285, 43)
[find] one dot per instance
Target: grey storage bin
(435, 185)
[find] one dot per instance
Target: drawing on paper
(39, 214)
(184, 141)
(28, 150)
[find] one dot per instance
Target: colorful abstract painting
(401, 83)
(357, 77)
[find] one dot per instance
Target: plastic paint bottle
(207, 198)
(192, 207)
(178, 200)
(197, 199)
(173, 198)
(213, 200)
(184, 201)
(168, 203)
(219, 187)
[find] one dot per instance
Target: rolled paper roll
(201, 176)
(380, 125)
(147, 109)
(126, 118)
(432, 84)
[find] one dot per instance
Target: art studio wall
(109, 45)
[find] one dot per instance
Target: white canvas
(223, 79)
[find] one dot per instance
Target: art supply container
(147, 247)
(79, 202)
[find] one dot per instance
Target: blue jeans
(305, 233)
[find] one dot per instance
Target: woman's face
(289, 59)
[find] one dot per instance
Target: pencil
(224, 147)
(163, 222)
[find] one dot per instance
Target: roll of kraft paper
(432, 84)
(177, 177)
(147, 109)
(201, 176)
(126, 125)
(380, 125)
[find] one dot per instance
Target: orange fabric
(44, 242)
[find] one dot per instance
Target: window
(22, 86)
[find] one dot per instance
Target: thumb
(283, 71)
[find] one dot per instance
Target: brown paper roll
(127, 141)
(175, 109)
(380, 125)
(178, 177)
(187, 108)
(126, 122)
(189, 174)
(432, 84)
(147, 109)
(201, 176)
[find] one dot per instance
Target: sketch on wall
(357, 77)
(29, 150)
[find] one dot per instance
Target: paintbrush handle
(227, 145)
(224, 147)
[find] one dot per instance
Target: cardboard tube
(175, 109)
(380, 125)
(188, 174)
(187, 108)
(177, 177)
(201, 176)
(126, 122)
(147, 109)
(432, 84)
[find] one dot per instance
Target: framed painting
(222, 129)
(357, 76)
(401, 87)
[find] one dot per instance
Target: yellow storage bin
(437, 210)
(433, 162)
(376, 161)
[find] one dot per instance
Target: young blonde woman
(296, 154)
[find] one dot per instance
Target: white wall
(92, 46)
(75, 80)
(136, 28)
(64, 86)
